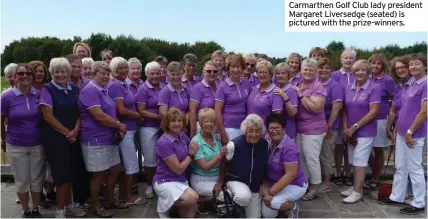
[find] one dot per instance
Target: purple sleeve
(141, 96)
(45, 97)
(89, 99)
(424, 92)
(164, 149)
(5, 102)
(291, 155)
(277, 103)
(196, 94)
(164, 96)
(292, 94)
(319, 90)
(337, 93)
(374, 95)
(390, 87)
(220, 95)
(115, 91)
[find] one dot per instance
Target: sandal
(338, 180)
(309, 196)
(102, 213)
(117, 204)
(137, 201)
(372, 185)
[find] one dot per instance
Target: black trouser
(81, 177)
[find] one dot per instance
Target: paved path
(326, 206)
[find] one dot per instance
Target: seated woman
(174, 156)
(208, 157)
(244, 167)
(286, 182)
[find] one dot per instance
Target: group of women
(267, 135)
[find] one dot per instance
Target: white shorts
(203, 185)
(129, 157)
(232, 133)
(381, 140)
(148, 145)
(243, 196)
(359, 155)
(100, 158)
(168, 193)
(289, 193)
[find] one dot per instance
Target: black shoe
(43, 203)
(51, 196)
(27, 214)
(411, 210)
(388, 201)
(35, 213)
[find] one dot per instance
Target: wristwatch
(409, 131)
(192, 156)
(356, 126)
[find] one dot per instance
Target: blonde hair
(358, 65)
(115, 62)
(206, 113)
(84, 45)
(264, 64)
(282, 66)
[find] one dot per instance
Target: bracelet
(285, 101)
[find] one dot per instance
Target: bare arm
(3, 127)
(207, 166)
(291, 110)
(163, 110)
(336, 107)
(141, 108)
(391, 116)
(193, 108)
(222, 171)
(124, 112)
(290, 174)
(176, 166)
(374, 110)
(47, 113)
(313, 104)
(420, 118)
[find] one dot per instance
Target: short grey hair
(115, 62)
(350, 51)
(135, 61)
(9, 68)
(89, 61)
(282, 66)
(210, 63)
(250, 56)
(264, 64)
(100, 65)
(310, 62)
(253, 120)
(358, 64)
(190, 57)
(59, 62)
(152, 65)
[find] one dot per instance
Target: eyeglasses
(249, 64)
(400, 68)
(211, 71)
(27, 73)
(276, 129)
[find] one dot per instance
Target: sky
(237, 25)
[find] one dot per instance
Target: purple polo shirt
(254, 80)
(358, 105)
(91, 132)
(309, 123)
(290, 128)
(412, 101)
(166, 147)
(397, 99)
(203, 94)
(235, 102)
(224, 75)
(286, 152)
(23, 117)
(386, 86)
(334, 94)
(190, 84)
(265, 102)
(120, 90)
(133, 87)
(341, 77)
(149, 96)
(85, 81)
(169, 97)
(296, 80)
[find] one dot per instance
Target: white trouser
(203, 185)
(310, 149)
(408, 163)
(289, 193)
(242, 196)
(129, 157)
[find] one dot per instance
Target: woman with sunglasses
(249, 71)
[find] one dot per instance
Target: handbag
(228, 209)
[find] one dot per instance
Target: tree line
(146, 49)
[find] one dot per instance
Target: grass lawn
(4, 85)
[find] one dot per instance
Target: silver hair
(282, 66)
(253, 120)
(358, 64)
(351, 51)
(310, 62)
(249, 56)
(87, 61)
(135, 61)
(59, 62)
(100, 65)
(115, 62)
(9, 68)
(152, 65)
(264, 64)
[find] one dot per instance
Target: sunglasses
(251, 65)
(212, 71)
(28, 74)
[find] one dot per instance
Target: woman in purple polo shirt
(42, 75)
(147, 99)
(311, 124)
(263, 100)
(163, 62)
(386, 85)
(294, 60)
(344, 75)
(121, 94)
(175, 94)
(333, 105)
(87, 68)
(230, 100)
(76, 77)
(133, 80)
(362, 103)
(286, 182)
(282, 72)
(317, 53)
(190, 65)
(203, 95)
(249, 72)
(21, 140)
(411, 134)
(219, 57)
(175, 154)
(100, 131)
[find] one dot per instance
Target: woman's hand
(349, 132)
(193, 147)
(267, 199)
(389, 132)
(329, 133)
(72, 135)
(122, 127)
(409, 140)
(223, 151)
(298, 91)
(281, 93)
(217, 187)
